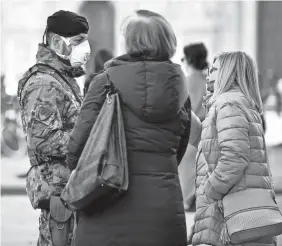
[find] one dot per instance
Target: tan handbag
(102, 168)
(250, 214)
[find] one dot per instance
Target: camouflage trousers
(44, 232)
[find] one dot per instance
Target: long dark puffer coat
(156, 114)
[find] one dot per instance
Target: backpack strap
(62, 77)
(24, 81)
(37, 69)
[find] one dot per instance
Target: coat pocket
(60, 222)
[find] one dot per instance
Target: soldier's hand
(44, 204)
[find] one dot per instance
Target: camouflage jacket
(49, 106)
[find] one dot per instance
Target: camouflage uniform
(48, 109)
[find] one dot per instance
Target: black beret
(67, 24)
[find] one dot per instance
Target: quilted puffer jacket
(232, 145)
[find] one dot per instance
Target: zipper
(250, 209)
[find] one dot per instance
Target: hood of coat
(153, 90)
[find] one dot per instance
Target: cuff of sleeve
(210, 192)
(71, 161)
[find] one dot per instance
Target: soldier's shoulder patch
(44, 112)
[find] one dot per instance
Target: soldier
(50, 99)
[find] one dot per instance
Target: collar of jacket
(207, 103)
(125, 59)
(48, 56)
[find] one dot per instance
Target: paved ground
(19, 222)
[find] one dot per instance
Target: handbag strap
(63, 78)
(110, 88)
(268, 166)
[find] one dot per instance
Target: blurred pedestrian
(101, 58)
(50, 100)
(195, 61)
(232, 158)
(269, 86)
(156, 110)
(187, 167)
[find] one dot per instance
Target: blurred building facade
(251, 26)
(221, 25)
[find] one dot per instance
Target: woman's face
(212, 76)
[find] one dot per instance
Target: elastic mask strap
(44, 36)
(67, 40)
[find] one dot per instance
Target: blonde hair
(149, 34)
(238, 68)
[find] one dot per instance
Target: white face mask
(80, 53)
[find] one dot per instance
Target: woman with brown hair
(156, 111)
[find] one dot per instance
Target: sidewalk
(10, 168)
(19, 225)
(21, 221)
